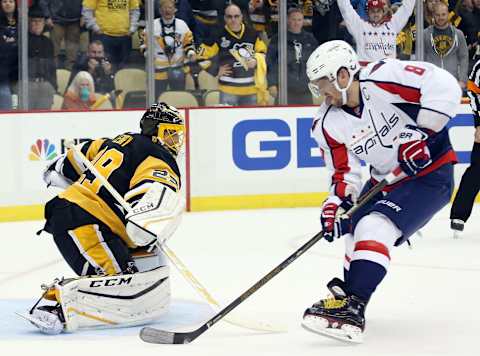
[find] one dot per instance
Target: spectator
(264, 14)
(8, 51)
(113, 22)
(173, 45)
(80, 95)
(300, 44)
(375, 38)
(63, 17)
(470, 26)
(41, 62)
(236, 49)
(326, 21)
(445, 45)
(361, 7)
(97, 65)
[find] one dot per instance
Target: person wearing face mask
(80, 95)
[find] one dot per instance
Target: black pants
(87, 245)
(469, 187)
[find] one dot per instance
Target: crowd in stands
(88, 54)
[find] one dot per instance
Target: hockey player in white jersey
(377, 38)
(388, 114)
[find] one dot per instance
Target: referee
(470, 183)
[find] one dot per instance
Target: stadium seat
(207, 81)
(212, 98)
(63, 75)
(57, 102)
(183, 99)
(129, 79)
(189, 83)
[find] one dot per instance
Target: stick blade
(156, 336)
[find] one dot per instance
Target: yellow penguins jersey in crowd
(234, 49)
(172, 43)
(130, 162)
(205, 11)
(112, 16)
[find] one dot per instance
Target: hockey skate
(340, 316)
(457, 226)
(47, 318)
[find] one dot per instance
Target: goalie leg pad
(113, 301)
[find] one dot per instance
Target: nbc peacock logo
(42, 150)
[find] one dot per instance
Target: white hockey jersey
(392, 93)
(375, 42)
(172, 44)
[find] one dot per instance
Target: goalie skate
(47, 319)
(340, 317)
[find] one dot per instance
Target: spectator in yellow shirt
(112, 22)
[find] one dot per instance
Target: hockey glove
(52, 174)
(413, 153)
(334, 225)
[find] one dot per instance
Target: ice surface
(427, 305)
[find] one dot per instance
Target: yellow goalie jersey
(130, 162)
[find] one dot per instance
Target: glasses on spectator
(236, 16)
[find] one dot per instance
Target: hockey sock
(364, 277)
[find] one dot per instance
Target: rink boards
(235, 158)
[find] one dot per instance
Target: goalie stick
(157, 336)
(256, 325)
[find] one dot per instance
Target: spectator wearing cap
(361, 7)
(445, 45)
(300, 44)
(41, 62)
(376, 38)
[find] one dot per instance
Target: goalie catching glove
(53, 173)
(156, 216)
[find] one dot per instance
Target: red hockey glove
(333, 224)
(413, 153)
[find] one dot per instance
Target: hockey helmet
(165, 124)
(327, 60)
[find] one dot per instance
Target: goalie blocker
(96, 238)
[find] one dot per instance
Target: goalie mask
(164, 124)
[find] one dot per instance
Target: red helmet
(375, 4)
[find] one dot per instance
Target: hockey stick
(156, 336)
(179, 265)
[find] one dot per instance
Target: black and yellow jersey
(234, 48)
(206, 11)
(131, 163)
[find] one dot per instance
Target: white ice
(427, 305)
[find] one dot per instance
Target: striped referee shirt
(473, 91)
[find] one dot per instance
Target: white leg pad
(114, 301)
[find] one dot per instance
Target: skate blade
(31, 319)
(41, 325)
(321, 326)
